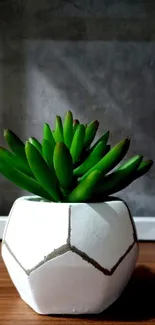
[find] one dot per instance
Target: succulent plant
(66, 167)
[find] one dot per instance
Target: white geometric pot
(69, 258)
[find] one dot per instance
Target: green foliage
(66, 166)
(63, 165)
(77, 143)
(36, 144)
(68, 129)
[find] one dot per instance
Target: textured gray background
(96, 58)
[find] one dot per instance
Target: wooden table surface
(136, 305)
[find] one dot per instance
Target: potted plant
(72, 247)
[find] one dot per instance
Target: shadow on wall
(12, 91)
(12, 104)
(109, 80)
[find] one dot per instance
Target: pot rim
(38, 199)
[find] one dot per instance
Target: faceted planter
(69, 258)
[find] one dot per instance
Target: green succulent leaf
(111, 159)
(91, 160)
(75, 125)
(23, 181)
(14, 161)
(15, 144)
(58, 132)
(42, 172)
(36, 144)
(48, 135)
(143, 168)
(91, 130)
(63, 165)
(103, 138)
(77, 143)
(84, 190)
(117, 180)
(68, 129)
(47, 151)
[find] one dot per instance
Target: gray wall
(96, 58)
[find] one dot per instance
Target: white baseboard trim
(145, 227)
(2, 225)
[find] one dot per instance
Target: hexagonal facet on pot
(35, 230)
(97, 229)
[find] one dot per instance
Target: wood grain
(136, 305)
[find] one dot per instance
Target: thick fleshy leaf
(15, 144)
(36, 144)
(58, 132)
(48, 135)
(90, 133)
(23, 181)
(68, 129)
(111, 159)
(42, 172)
(77, 143)
(15, 161)
(63, 165)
